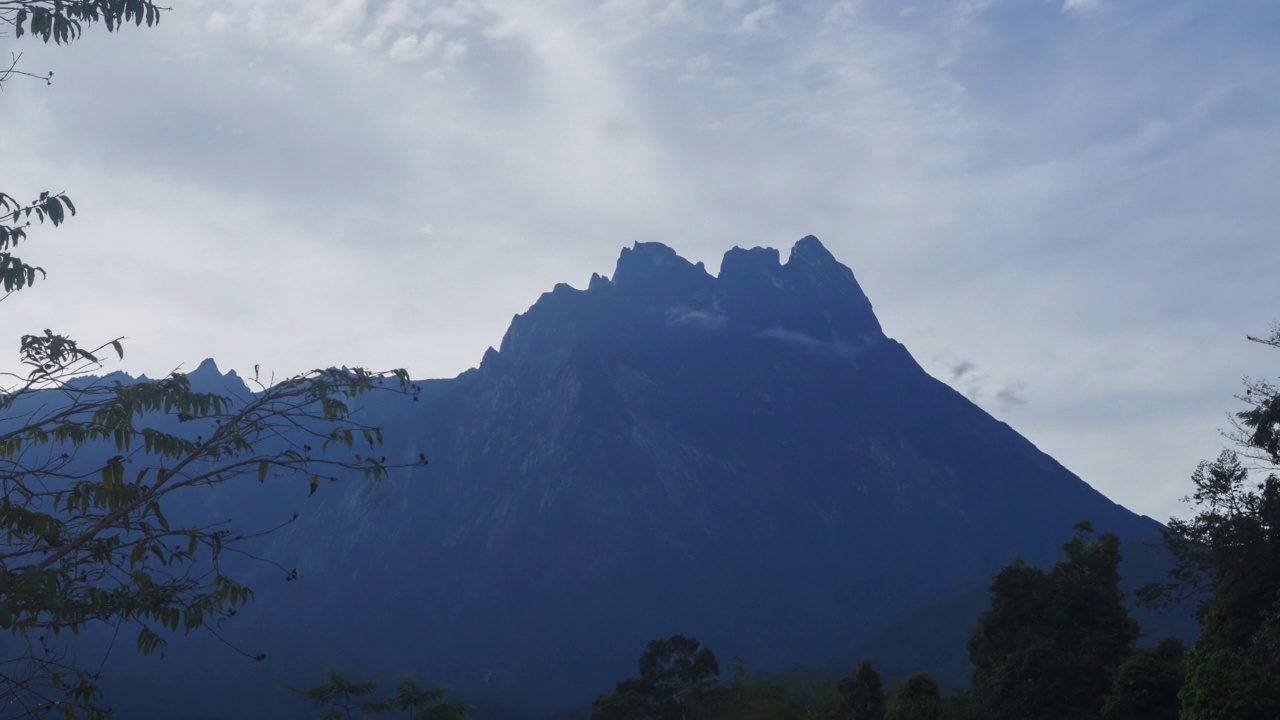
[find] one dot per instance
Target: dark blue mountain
(746, 458)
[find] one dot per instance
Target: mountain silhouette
(745, 458)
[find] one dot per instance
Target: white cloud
(454, 50)
(217, 21)
(700, 319)
(1081, 6)
(1082, 207)
(759, 20)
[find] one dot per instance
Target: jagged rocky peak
(812, 294)
(207, 368)
(657, 272)
(208, 378)
(811, 272)
(754, 265)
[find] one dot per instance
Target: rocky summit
(745, 458)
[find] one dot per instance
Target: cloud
(795, 339)
(759, 19)
(960, 370)
(1081, 6)
(977, 386)
(217, 21)
(1011, 396)
(700, 319)
(1075, 195)
(808, 343)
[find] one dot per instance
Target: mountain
(745, 458)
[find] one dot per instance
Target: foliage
(337, 696)
(90, 467)
(959, 705)
(1145, 686)
(863, 694)
(828, 705)
(342, 699)
(675, 673)
(60, 21)
(629, 701)
(64, 20)
(751, 699)
(1222, 685)
(1227, 557)
(917, 698)
(1049, 644)
(15, 219)
(798, 694)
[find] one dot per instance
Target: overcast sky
(1066, 209)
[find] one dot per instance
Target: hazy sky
(1067, 210)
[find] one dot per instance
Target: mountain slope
(745, 458)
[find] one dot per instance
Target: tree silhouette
(863, 694)
(674, 673)
(1047, 648)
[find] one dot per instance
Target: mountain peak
(757, 262)
(812, 293)
(812, 298)
(809, 251)
(208, 378)
(656, 272)
(206, 369)
(644, 259)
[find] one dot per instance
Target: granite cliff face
(746, 458)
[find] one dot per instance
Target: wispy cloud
(1011, 396)
(1076, 195)
(808, 343)
(982, 388)
(1081, 6)
(700, 319)
(759, 19)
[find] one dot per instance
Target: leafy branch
(63, 21)
(15, 218)
(87, 467)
